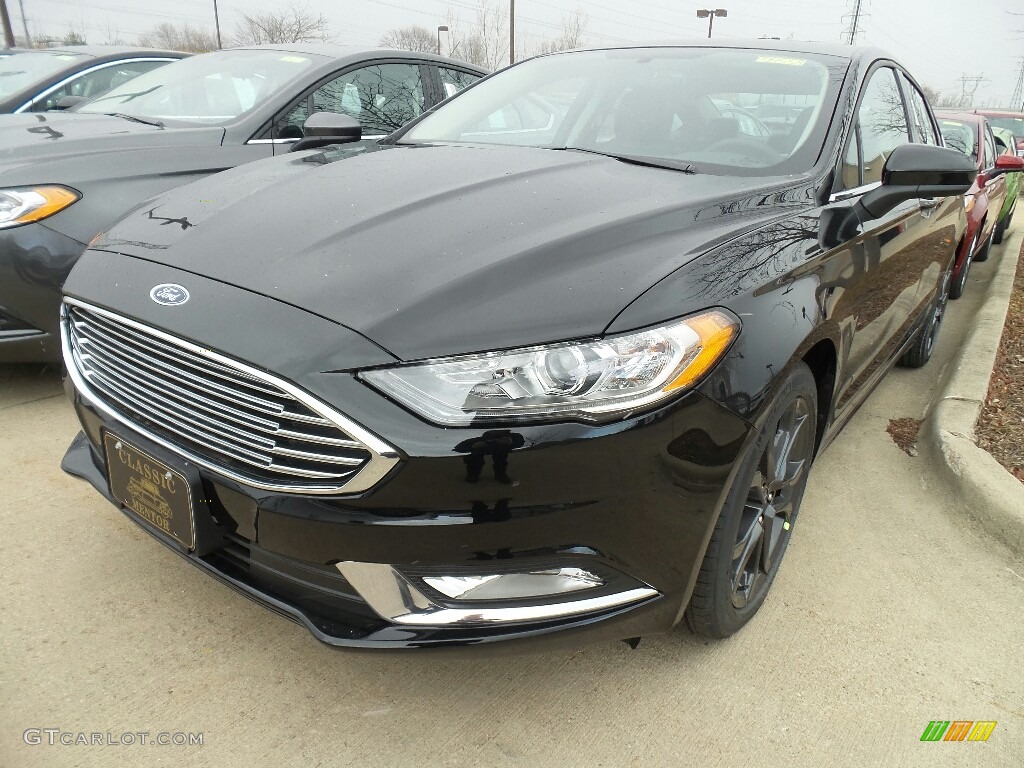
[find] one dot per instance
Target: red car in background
(970, 134)
(1011, 121)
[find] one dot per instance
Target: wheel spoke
(773, 528)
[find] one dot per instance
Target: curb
(990, 495)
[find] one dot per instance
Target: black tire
(924, 344)
(731, 589)
(997, 235)
(982, 255)
(958, 286)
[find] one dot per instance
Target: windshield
(960, 136)
(744, 112)
(1014, 125)
(211, 89)
(21, 70)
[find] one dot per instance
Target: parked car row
(992, 199)
(554, 355)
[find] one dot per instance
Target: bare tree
(486, 42)
(414, 38)
(179, 37)
(294, 24)
(573, 27)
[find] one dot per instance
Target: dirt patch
(904, 434)
(1001, 426)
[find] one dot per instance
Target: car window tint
(454, 80)
(990, 149)
(883, 123)
(97, 82)
(923, 128)
(381, 97)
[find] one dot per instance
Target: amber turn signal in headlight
(596, 381)
(24, 205)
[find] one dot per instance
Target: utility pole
(1017, 100)
(216, 20)
(24, 24)
(511, 32)
(5, 17)
(855, 23)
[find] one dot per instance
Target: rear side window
(924, 130)
(454, 80)
(990, 149)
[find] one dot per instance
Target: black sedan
(35, 81)
(66, 176)
(533, 379)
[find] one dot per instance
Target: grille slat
(87, 332)
(230, 419)
(187, 357)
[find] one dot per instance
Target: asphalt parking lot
(890, 611)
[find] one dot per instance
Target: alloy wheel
(770, 508)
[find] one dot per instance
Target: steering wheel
(748, 147)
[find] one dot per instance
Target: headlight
(23, 205)
(591, 381)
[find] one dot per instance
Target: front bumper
(636, 503)
(633, 501)
(34, 262)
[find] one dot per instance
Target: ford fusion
(555, 358)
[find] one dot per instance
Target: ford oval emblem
(169, 294)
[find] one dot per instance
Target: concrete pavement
(890, 610)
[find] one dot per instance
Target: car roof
(999, 113)
(852, 53)
(104, 50)
(957, 114)
(355, 53)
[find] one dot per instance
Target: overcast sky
(938, 40)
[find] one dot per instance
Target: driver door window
(382, 97)
(881, 127)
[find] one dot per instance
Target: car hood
(27, 139)
(441, 250)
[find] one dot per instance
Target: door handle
(928, 203)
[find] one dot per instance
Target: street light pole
(709, 14)
(440, 29)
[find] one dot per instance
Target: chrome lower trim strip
(383, 456)
(396, 599)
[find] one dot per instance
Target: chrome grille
(224, 416)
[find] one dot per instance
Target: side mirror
(1006, 163)
(918, 170)
(322, 129)
(67, 102)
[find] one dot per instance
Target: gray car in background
(38, 80)
(65, 176)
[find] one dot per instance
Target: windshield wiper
(135, 119)
(649, 162)
(126, 96)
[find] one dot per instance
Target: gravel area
(1000, 429)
